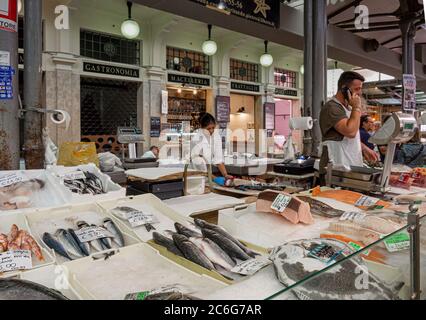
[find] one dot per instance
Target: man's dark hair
(364, 119)
(207, 119)
(348, 77)
(153, 147)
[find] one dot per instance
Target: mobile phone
(345, 91)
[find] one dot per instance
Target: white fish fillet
(378, 224)
(362, 234)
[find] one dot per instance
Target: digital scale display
(409, 127)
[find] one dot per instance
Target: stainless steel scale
(399, 128)
(131, 136)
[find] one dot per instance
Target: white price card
(15, 260)
(251, 266)
(87, 234)
(280, 203)
(75, 175)
(12, 178)
(140, 218)
(365, 201)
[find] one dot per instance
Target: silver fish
(321, 209)
(181, 229)
(167, 243)
(69, 243)
(215, 253)
(14, 289)
(203, 224)
(191, 252)
(84, 246)
(112, 228)
(232, 249)
(55, 245)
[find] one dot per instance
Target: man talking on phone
(339, 122)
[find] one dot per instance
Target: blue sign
(6, 86)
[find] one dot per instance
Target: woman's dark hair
(207, 119)
(364, 119)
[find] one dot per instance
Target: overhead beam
(342, 45)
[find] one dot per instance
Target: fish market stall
(86, 182)
(29, 189)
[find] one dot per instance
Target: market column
(9, 121)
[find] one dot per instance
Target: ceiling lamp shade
(302, 69)
(19, 6)
(266, 60)
(209, 46)
(130, 28)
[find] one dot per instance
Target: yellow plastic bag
(76, 153)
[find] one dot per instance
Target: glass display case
(332, 269)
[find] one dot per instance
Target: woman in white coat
(206, 146)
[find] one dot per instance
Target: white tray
(112, 189)
(7, 219)
(50, 220)
(135, 269)
(266, 229)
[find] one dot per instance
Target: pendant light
(266, 59)
(130, 28)
(19, 6)
(302, 69)
(209, 46)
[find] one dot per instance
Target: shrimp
(13, 233)
(34, 247)
(3, 243)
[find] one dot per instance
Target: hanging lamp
(266, 59)
(209, 46)
(130, 28)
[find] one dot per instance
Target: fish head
(82, 224)
(179, 238)
(200, 223)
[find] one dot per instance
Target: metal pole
(33, 146)
(319, 67)
(414, 229)
(9, 113)
(307, 80)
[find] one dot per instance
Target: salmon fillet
(349, 197)
(296, 211)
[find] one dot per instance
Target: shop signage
(269, 116)
(188, 80)
(9, 15)
(155, 127)
(286, 92)
(244, 87)
(262, 11)
(111, 70)
(223, 109)
(410, 87)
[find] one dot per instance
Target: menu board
(269, 116)
(223, 109)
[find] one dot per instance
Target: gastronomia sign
(261, 11)
(111, 70)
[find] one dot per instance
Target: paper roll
(305, 123)
(60, 117)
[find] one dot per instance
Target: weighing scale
(399, 128)
(131, 136)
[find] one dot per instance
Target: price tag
(87, 234)
(280, 203)
(251, 266)
(353, 216)
(399, 242)
(12, 178)
(15, 260)
(76, 175)
(365, 201)
(144, 294)
(140, 218)
(357, 248)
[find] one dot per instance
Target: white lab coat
(206, 149)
